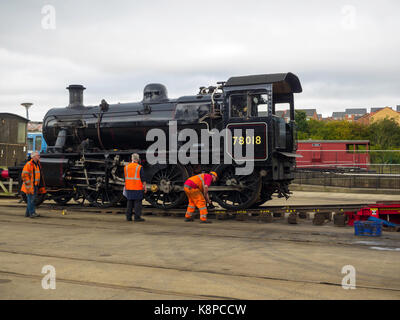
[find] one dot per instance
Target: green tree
(302, 125)
(301, 121)
(385, 135)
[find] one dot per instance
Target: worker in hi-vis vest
(196, 189)
(135, 187)
(32, 183)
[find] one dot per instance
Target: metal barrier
(7, 186)
(371, 180)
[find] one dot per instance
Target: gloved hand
(211, 206)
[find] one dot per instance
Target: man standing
(196, 189)
(31, 183)
(134, 187)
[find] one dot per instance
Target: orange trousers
(196, 199)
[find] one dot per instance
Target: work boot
(205, 221)
(189, 219)
(140, 220)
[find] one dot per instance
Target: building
(383, 113)
(333, 154)
(349, 114)
(359, 112)
(34, 126)
(365, 119)
(282, 113)
(12, 139)
(387, 112)
(373, 110)
(310, 113)
(338, 115)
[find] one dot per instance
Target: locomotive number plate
(248, 141)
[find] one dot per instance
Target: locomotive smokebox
(75, 95)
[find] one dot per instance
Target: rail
(321, 213)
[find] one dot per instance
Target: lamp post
(27, 105)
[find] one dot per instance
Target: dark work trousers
(138, 209)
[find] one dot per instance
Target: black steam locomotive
(89, 145)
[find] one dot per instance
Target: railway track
(279, 213)
(322, 213)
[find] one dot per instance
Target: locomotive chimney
(75, 95)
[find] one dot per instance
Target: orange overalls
(196, 198)
(31, 178)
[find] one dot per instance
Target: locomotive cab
(251, 103)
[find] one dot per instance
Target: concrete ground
(101, 256)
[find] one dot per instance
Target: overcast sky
(346, 53)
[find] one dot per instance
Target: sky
(345, 53)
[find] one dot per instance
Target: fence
(7, 187)
(370, 180)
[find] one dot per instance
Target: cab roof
(282, 82)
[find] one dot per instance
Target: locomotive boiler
(88, 146)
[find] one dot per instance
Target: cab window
(282, 110)
(260, 105)
(238, 105)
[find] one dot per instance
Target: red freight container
(333, 154)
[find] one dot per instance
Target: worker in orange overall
(32, 183)
(196, 189)
(135, 187)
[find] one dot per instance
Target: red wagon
(333, 154)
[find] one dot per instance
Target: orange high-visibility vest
(132, 177)
(30, 178)
(199, 181)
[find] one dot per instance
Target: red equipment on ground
(388, 211)
(4, 174)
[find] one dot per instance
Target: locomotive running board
(290, 155)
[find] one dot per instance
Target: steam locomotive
(88, 146)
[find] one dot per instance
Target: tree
(385, 133)
(301, 124)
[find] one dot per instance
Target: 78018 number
(247, 140)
